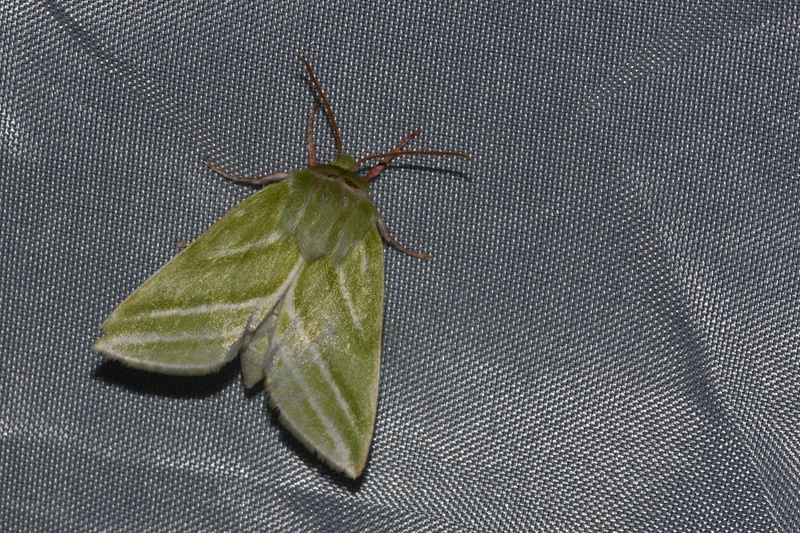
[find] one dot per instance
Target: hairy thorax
(328, 209)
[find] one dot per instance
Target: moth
(292, 281)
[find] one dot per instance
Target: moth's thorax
(328, 210)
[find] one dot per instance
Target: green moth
(292, 281)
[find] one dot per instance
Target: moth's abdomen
(328, 210)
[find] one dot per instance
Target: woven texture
(606, 340)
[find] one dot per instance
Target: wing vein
(204, 308)
(143, 339)
(347, 299)
(235, 250)
(308, 393)
(316, 358)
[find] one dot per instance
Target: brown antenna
(414, 152)
(327, 107)
(387, 157)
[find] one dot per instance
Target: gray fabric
(606, 340)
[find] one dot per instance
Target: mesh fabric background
(607, 339)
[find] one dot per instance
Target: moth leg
(258, 180)
(312, 150)
(391, 240)
(378, 168)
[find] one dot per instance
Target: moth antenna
(392, 155)
(378, 168)
(327, 106)
(312, 150)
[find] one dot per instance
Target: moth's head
(341, 170)
(345, 166)
(345, 162)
